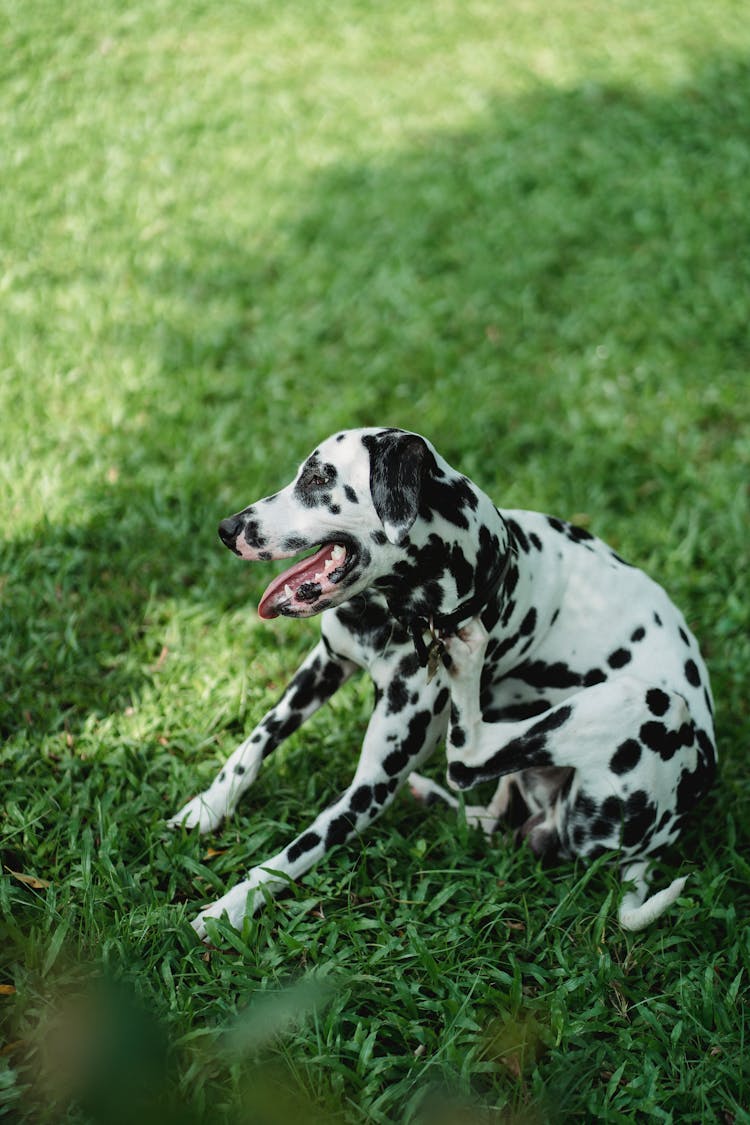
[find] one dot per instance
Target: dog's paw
(466, 647)
(201, 812)
(459, 776)
(424, 790)
(474, 635)
(236, 905)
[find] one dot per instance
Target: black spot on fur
(361, 798)
(692, 674)
(350, 494)
(619, 658)
(253, 535)
(657, 701)
(398, 696)
(305, 843)
(611, 809)
(657, 738)
(685, 638)
(239, 769)
(539, 674)
(553, 721)
(535, 540)
(458, 736)
(707, 749)
(693, 785)
(593, 677)
(585, 806)
(491, 614)
(409, 666)
(640, 816)
(379, 537)
(441, 701)
(528, 625)
(519, 535)
(279, 729)
(663, 741)
(578, 534)
(626, 757)
(448, 498)
(499, 649)
(657, 619)
(638, 634)
(369, 620)
(461, 570)
(304, 685)
(461, 774)
(294, 543)
(397, 760)
(340, 828)
(517, 712)
(602, 826)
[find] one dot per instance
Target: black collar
(446, 624)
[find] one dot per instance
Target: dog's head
(380, 508)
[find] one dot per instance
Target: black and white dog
(539, 655)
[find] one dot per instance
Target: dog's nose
(229, 529)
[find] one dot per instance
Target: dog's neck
(450, 573)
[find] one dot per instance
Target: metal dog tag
(434, 657)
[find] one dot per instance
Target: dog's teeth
(337, 553)
(289, 591)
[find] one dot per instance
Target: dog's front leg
(317, 678)
(396, 743)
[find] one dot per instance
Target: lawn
(226, 231)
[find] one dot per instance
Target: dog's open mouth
(299, 590)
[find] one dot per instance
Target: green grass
(225, 232)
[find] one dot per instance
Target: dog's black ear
(398, 465)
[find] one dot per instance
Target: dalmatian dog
(532, 649)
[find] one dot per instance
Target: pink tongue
(295, 577)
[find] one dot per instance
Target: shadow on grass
(435, 290)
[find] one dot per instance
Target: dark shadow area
(470, 264)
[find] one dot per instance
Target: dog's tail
(636, 911)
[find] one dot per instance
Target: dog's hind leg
(317, 678)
